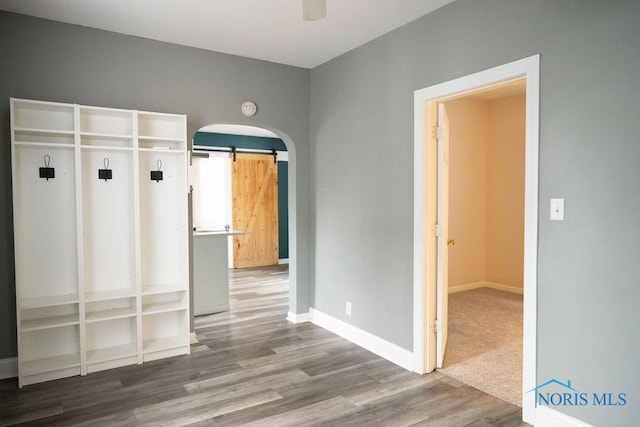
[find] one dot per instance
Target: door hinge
(437, 230)
(437, 132)
(436, 326)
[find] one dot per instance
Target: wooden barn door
(255, 210)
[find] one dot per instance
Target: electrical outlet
(348, 310)
(556, 210)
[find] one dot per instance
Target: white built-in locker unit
(101, 237)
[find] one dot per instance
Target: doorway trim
(424, 297)
(292, 208)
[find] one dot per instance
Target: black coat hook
(47, 172)
(157, 174)
(105, 173)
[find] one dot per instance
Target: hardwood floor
(252, 367)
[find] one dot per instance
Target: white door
(442, 266)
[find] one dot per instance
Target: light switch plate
(556, 210)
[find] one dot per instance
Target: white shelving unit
(101, 258)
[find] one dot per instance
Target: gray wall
(362, 138)
(361, 133)
(52, 61)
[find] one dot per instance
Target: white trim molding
(193, 339)
(298, 318)
(466, 287)
(283, 261)
(385, 349)
(8, 368)
(424, 296)
(282, 156)
(506, 288)
(547, 417)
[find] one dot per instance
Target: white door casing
(442, 265)
(425, 194)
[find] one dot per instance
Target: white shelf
(49, 322)
(106, 148)
(43, 144)
(81, 262)
(161, 150)
(160, 138)
(159, 344)
(49, 364)
(163, 307)
(44, 136)
(112, 353)
(44, 131)
(48, 301)
(99, 135)
(106, 141)
(106, 121)
(109, 295)
(153, 125)
(162, 289)
(28, 114)
(110, 314)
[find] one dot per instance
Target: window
(212, 191)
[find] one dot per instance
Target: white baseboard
(506, 288)
(385, 349)
(192, 338)
(547, 417)
(477, 285)
(8, 368)
(466, 287)
(283, 261)
(297, 318)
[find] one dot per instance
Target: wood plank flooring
(253, 368)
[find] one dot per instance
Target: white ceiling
(271, 30)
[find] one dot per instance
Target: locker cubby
(101, 250)
(49, 354)
(38, 203)
(106, 121)
(36, 115)
(108, 222)
(150, 144)
(44, 137)
(161, 132)
(163, 302)
(123, 143)
(96, 311)
(163, 229)
(40, 318)
(162, 334)
(111, 343)
(162, 126)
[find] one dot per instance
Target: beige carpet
(484, 346)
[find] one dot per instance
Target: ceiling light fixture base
(314, 10)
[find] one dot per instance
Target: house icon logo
(557, 393)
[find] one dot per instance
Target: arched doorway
(264, 132)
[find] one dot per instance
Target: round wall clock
(249, 108)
